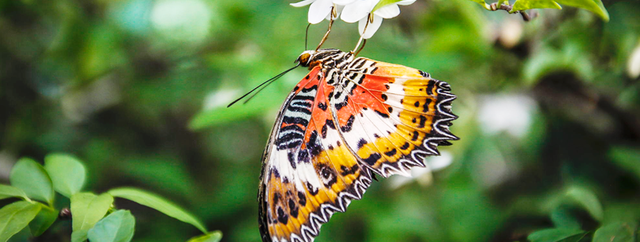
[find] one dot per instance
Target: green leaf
(626, 158)
(531, 4)
(31, 177)
(383, 3)
(117, 227)
(157, 203)
(7, 191)
(66, 172)
(548, 235)
(16, 216)
(214, 236)
(79, 235)
(86, 210)
(615, 232)
(562, 218)
(43, 220)
(586, 199)
(594, 6)
(581, 237)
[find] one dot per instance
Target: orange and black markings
(348, 119)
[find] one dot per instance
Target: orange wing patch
(403, 115)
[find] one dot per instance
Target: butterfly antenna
(306, 36)
(334, 14)
(263, 85)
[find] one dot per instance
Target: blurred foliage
(93, 216)
(594, 6)
(549, 113)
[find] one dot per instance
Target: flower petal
(371, 28)
(343, 2)
(338, 11)
(319, 10)
(357, 10)
(388, 11)
(302, 3)
(406, 2)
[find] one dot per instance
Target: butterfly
(346, 121)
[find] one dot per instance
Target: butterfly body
(348, 119)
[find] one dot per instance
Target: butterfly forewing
(347, 119)
(308, 173)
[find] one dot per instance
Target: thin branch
(506, 7)
(527, 17)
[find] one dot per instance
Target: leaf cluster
(594, 6)
(568, 227)
(94, 216)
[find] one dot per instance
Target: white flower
(360, 10)
(353, 11)
(319, 9)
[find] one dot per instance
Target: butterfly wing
(333, 131)
(392, 116)
(308, 172)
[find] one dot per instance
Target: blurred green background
(549, 111)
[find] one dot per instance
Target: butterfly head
(305, 58)
(312, 58)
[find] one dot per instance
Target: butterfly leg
(334, 14)
(362, 39)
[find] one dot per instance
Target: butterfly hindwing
(398, 115)
(308, 173)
